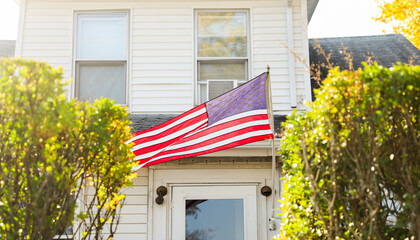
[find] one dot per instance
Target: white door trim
(220, 191)
(161, 220)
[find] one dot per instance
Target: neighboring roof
(7, 48)
(385, 49)
(146, 121)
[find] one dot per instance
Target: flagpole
(273, 150)
(273, 175)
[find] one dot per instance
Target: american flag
(235, 118)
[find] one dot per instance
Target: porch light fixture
(161, 192)
(266, 191)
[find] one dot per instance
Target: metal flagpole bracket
(272, 226)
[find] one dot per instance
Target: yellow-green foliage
(352, 164)
(50, 148)
(403, 16)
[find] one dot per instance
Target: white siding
(133, 221)
(161, 64)
(302, 72)
(133, 218)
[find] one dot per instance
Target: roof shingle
(146, 121)
(7, 48)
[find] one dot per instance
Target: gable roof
(7, 48)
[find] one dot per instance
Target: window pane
(217, 88)
(102, 36)
(213, 71)
(214, 219)
(203, 92)
(222, 34)
(219, 71)
(102, 81)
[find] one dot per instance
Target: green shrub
(51, 149)
(351, 165)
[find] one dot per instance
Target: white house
(160, 58)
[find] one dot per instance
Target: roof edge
(361, 36)
(311, 6)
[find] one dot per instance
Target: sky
(341, 18)
(9, 18)
(332, 18)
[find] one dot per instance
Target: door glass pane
(220, 219)
(102, 36)
(222, 34)
(102, 81)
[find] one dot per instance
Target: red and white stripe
(150, 142)
(180, 138)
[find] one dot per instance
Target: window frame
(197, 60)
(112, 62)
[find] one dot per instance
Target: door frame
(160, 218)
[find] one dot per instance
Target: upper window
(101, 56)
(221, 51)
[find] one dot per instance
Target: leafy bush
(51, 149)
(352, 164)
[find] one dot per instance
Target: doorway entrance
(214, 212)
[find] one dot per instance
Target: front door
(216, 212)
